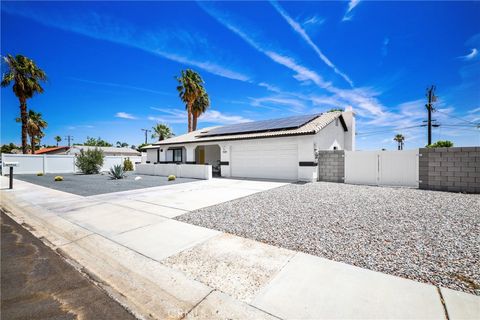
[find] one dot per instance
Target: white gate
(388, 168)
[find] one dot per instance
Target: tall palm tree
(189, 89)
(26, 77)
(162, 132)
(58, 139)
(400, 139)
(200, 105)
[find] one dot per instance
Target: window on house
(177, 155)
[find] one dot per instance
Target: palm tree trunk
(189, 111)
(32, 144)
(195, 117)
(24, 118)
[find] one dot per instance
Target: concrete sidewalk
(164, 268)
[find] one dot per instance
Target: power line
(387, 130)
(450, 115)
(69, 138)
(146, 134)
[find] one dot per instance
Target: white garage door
(271, 161)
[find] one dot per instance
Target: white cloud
(385, 44)
(272, 102)
(125, 115)
(349, 14)
(474, 110)
(472, 55)
(119, 85)
(179, 116)
(298, 28)
(176, 45)
(313, 21)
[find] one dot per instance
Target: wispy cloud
(124, 115)
(385, 44)
(349, 13)
(298, 29)
(273, 102)
(313, 21)
(175, 45)
(363, 99)
(120, 85)
(179, 116)
(472, 55)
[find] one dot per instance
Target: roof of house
(52, 149)
(110, 149)
(313, 126)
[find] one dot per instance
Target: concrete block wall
(450, 169)
(331, 165)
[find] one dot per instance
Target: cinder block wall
(331, 165)
(450, 169)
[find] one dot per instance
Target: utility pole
(69, 138)
(431, 98)
(146, 134)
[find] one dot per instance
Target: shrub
(127, 165)
(90, 161)
(171, 177)
(58, 178)
(39, 174)
(116, 172)
(441, 144)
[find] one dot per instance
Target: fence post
(44, 163)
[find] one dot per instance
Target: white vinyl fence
(29, 163)
(197, 171)
(388, 168)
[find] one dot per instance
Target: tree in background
(7, 148)
(189, 89)
(58, 139)
(140, 146)
(336, 109)
(26, 77)
(400, 139)
(122, 144)
(35, 126)
(200, 106)
(162, 132)
(441, 144)
(92, 142)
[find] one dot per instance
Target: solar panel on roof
(262, 126)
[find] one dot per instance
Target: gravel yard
(426, 236)
(93, 184)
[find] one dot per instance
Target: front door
(201, 156)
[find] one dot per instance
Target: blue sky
(111, 65)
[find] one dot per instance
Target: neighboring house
(107, 151)
(273, 149)
(52, 150)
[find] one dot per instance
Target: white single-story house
(272, 149)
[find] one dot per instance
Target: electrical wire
(457, 117)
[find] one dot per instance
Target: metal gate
(388, 168)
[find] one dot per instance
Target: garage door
(271, 161)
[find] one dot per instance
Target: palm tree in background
(200, 106)
(26, 77)
(35, 126)
(162, 132)
(400, 139)
(58, 139)
(189, 89)
(122, 144)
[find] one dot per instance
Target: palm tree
(58, 139)
(26, 77)
(121, 144)
(189, 89)
(400, 139)
(162, 132)
(200, 105)
(35, 126)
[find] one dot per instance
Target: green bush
(127, 165)
(58, 178)
(90, 161)
(171, 177)
(39, 174)
(441, 144)
(116, 172)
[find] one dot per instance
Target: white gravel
(427, 236)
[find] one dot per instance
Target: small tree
(127, 165)
(58, 139)
(441, 144)
(90, 161)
